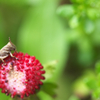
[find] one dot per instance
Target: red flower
(21, 76)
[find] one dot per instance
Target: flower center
(16, 79)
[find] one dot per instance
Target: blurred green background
(64, 35)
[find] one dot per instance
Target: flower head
(21, 76)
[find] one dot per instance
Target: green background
(63, 34)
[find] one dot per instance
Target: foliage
(65, 38)
(93, 83)
(82, 19)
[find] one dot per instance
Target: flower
(20, 75)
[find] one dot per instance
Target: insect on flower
(22, 77)
(6, 50)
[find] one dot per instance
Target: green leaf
(89, 26)
(91, 83)
(50, 69)
(92, 13)
(49, 88)
(96, 93)
(3, 96)
(66, 11)
(44, 96)
(33, 97)
(74, 21)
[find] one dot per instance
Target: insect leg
(2, 60)
(11, 55)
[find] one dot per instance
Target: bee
(6, 50)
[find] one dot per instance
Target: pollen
(16, 79)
